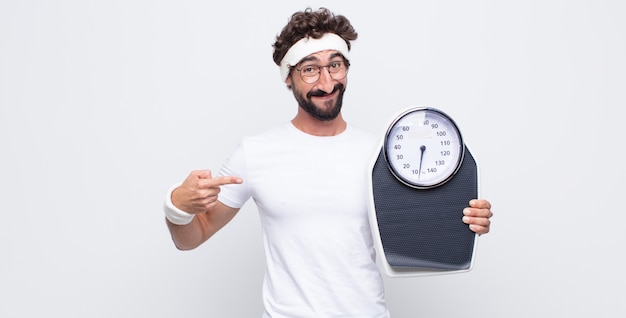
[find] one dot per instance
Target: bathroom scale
(422, 177)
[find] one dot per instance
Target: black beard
(317, 113)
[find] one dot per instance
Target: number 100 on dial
(423, 148)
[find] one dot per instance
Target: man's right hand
(198, 193)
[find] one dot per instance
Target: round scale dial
(423, 148)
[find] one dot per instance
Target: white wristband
(174, 214)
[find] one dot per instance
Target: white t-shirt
(311, 193)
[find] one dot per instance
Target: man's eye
(309, 69)
(335, 64)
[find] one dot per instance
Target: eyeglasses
(311, 73)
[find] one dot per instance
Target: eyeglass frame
(344, 61)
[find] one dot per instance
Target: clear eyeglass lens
(311, 73)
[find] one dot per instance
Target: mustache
(320, 92)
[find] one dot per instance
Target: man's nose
(326, 82)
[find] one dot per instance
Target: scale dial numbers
(423, 148)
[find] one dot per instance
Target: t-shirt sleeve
(235, 195)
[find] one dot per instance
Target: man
(308, 180)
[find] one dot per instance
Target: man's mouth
(324, 96)
(320, 93)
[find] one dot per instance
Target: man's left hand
(477, 216)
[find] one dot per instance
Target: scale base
(420, 231)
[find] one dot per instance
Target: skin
(198, 192)
(305, 121)
(198, 195)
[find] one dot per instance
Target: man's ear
(288, 81)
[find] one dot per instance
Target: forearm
(202, 227)
(187, 237)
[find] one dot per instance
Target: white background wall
(105, 104)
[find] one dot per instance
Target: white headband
(307, 46)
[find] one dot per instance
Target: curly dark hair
(315, 24)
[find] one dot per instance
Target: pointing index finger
(223, 180)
